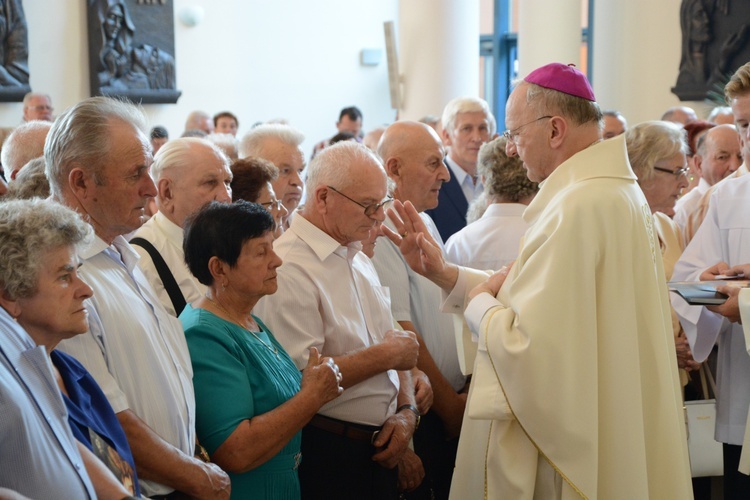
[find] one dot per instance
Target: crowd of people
(428, 310)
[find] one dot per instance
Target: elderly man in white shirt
(98, 159)
(330, 297)
(188, 174)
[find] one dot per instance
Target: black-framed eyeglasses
(369, 209)
(273, 204)
(512, 134)
(677, 173)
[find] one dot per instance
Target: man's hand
(394, 436)
(493, 283)
(210, 482)
(684, 354)
(422, 391)
(404, 349)
(420, 250)
(410, 471)
(711, 273)
(731, 308)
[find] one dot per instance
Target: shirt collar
(456, 169)
(128, 256)
(320, 242)
(173, 232)
(504, 209)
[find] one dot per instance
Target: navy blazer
(450, 214)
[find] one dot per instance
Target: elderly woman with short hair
(251, 181)
(657, 152)
(251, 400)
(41, 290)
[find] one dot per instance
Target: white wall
(637, 57)
(261, 59)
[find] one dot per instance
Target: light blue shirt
(470, 189)
(38, 453)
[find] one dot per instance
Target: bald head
(23, 145)
(413, 157)
(718, 153)
(679, 114)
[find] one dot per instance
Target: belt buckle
(374, 437)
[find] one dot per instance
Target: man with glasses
(188, 173)
(37, 107)
(575, 366)
(329, 297)
(467, 124)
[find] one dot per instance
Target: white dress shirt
(416, 299)
(329, 297)
(490, 242)
(470, 189)
(724, 236)
(166, 236)
(134, 348)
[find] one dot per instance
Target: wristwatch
(414, 410)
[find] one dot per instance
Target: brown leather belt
(358, 432)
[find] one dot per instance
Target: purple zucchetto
(563, 78)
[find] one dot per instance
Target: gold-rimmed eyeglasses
(512, 134)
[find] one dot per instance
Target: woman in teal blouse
(251, 401)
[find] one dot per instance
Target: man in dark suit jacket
(467, 124)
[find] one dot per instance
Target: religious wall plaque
(715, 43)
(14, 68)
(131, 50)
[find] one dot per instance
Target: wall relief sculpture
(14, 66)
(131, 49)
(714, 44)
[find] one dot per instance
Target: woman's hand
(322, 377)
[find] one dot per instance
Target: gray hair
(81, 137)
(29, 229)
(333, 165)
(30, 95)
(226, 142)
(178, 153)
(651, 142)
(550, 102)
(464, 105)
(505, 178)
(719, 110)
(25, 143)
(254, 142)
(195, 119)
(31, 182)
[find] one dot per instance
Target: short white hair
(254, 142)
(464, 105)
(333, 165)
(178, 153)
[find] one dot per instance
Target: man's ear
(446, 137)
(320, 199)
(557, 132)
(393, 168)
(165, 194)
(80, 183)
(698, 163)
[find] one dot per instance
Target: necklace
(272, 348)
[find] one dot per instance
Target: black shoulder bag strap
(167, 278)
